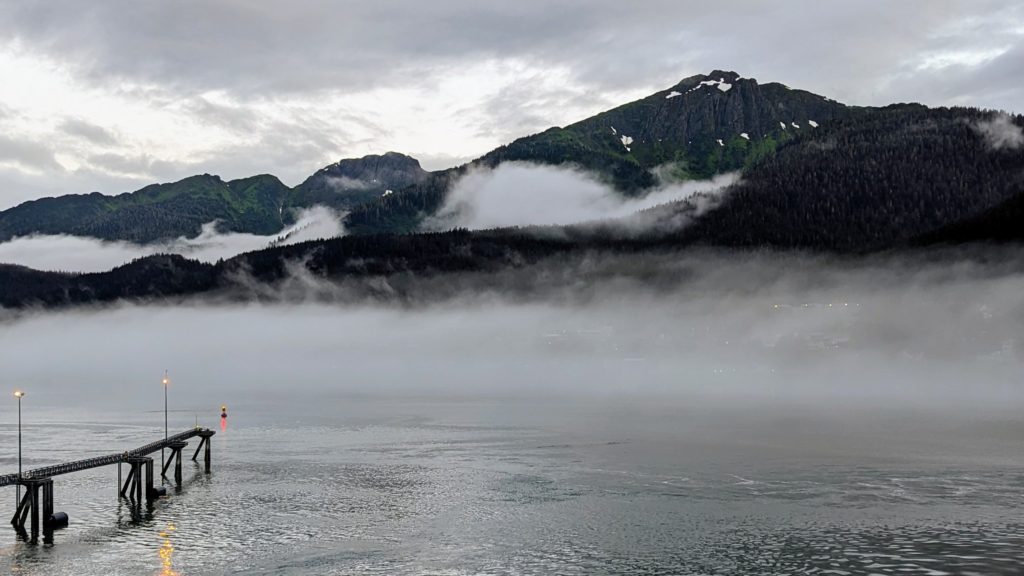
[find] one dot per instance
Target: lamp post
(19, 395)
(166, 381)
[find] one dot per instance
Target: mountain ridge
(697, 133)
(897, 179)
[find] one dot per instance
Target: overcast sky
(114, 95)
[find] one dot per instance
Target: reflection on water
(364, 487)
(167, 551)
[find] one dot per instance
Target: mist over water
(793, 327)
(741, 414)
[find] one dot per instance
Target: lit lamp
(19, 395)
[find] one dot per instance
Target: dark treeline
(145, 278)
(336, 259)
(1001, 223)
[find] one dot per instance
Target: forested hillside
(1001, 223)
(895, 178)
(874, 180)
(156, 212)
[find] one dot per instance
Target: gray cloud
(17, 187)
(142, 164)
(27, 153)
(89, 131)
(310, 45)
(170, 54)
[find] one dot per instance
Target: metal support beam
(138, 482)
(206, 436)
(149, 481)
(24, 511)
(32, 511)
(206, 453)
(176, 449)
(47, 510)
(128, 482)
(202, 442)
(18, 510)
(35, 512)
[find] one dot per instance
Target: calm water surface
(343, 486)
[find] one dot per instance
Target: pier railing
(96, 462)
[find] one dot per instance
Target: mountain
(703, 126)
(858, 181)
(350, 182)
(878, 179)
(156, 212)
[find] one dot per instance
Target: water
(332, 485)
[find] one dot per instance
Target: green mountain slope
(703, 126)
(156, 212)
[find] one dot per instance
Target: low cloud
(520, 194)
(1001, 132)
(343, 183)
(91, 132)
(83, 254)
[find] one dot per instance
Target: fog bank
(522, 194)
(83, 254)
(747, 332)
